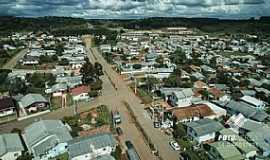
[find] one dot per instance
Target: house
(261, 139)
(258, 104)
(7, 109)
(246, 149)
(11, 146)
(80, 93)
(203, 130)
(241, 125)
(192, 113)
(29, 60)
(200, 85)
(91, 147)
(235, 107)
(46, 138)
(33, 103)
(223, 150)
(215, 93)
(181, 98)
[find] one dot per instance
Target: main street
(124, 93)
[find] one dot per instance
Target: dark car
(119, 131)
(129, 145)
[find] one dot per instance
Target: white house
(253, 101)
(181, 98)
(80, 93)
(203, 130)
(10, 146)
(91, 147)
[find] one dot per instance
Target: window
(16, 154)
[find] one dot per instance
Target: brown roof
(79, 90)
(200, 110)
(215, 92)
(6, 103)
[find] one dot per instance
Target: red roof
(79, 90)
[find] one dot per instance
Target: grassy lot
(104, 116)
(56, 102)
(62, 157)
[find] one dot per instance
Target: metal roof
(29, 99)
(205, 126)
(10, 143)
(45, 134)
(84, 145)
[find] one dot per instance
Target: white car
(174, 145)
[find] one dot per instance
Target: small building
(7, 109)
(203, 130)
(91, 147)
(258, 104)
(223, 150)
(33, 103)
(11, 146)
(181, 98)
(236, 107)
(80, 93)
(192, 113)
(30, 60)
(46, 138)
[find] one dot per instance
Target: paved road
(11, 63)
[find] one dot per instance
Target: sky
(225, 9)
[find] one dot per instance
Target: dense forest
(67, 25)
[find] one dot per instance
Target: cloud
(136, 8)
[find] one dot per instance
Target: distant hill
(65, 25)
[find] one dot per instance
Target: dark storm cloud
(136, 8)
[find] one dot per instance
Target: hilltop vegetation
(73, 26)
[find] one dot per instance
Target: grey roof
(221, 86)
(227, 150)
(10, 143)
(29, 99)
(186, 92)
(45, 134)
(261, 138)
(83, 145)
(247, 110)
(248, 92)
(205, 126)
(105, 157)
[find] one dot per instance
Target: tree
(160, 60)
(25, 156)
(98, 69)
(179, 131)
(117, 154)
(137, 66)
(17, 86)
(178, 57)
(151, 82)
(63, 62)
(88, 73)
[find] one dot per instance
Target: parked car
(129, 145)
(174, 145)
(119, 131)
